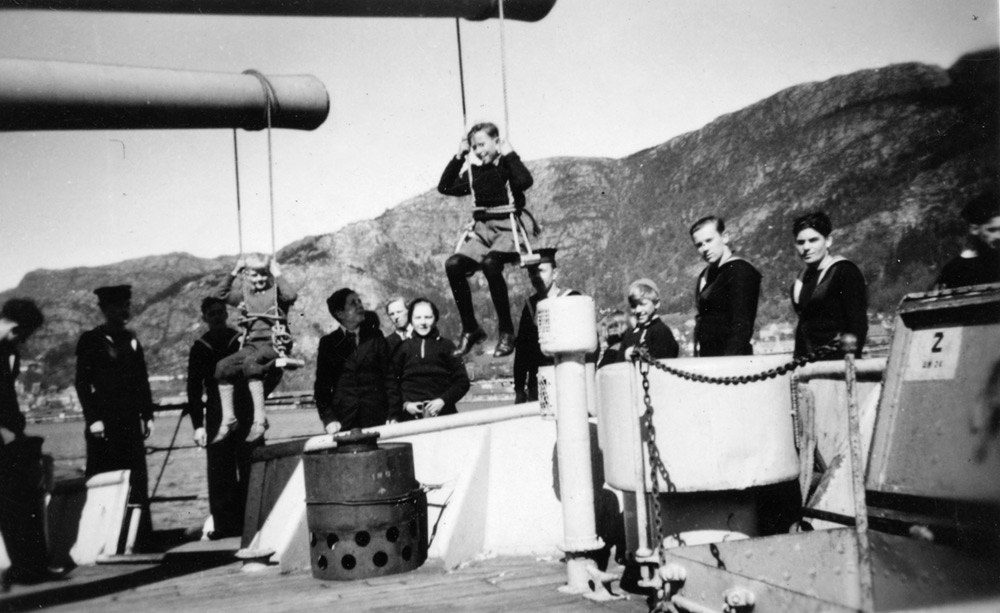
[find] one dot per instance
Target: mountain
(892, 154)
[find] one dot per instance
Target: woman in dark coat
(830, 295)
(354, 386)
(431, 378)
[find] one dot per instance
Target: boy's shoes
(9, 576)
(257, 431)
(218, 535)
(225, 430)
(505, 345)
(468, 341)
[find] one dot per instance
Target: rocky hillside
(891, 154)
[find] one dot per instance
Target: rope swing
(527, 256)
(280, 335)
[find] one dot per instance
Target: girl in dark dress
(830, 295)
(431, 378)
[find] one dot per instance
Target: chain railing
(657, 469)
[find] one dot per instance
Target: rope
(461, 71)
(503, 73)
(239, 206)
(272, 105)
(465, 115)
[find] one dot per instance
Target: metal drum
(367, 513)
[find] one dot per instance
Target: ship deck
(204, 575)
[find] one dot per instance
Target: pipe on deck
(476, 10)
(837, 369)
(436, 424)
(44, 95)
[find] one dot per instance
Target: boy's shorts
(491, 235)
(253, 361)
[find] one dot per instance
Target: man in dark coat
(21, 521)
(228, 459)
(113, 387)
(528, 356)
(355, 387)
(726, 293)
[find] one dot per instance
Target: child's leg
(259, 416)
(459, 267)
(493, 271)
(228, 370)
(229, 421)
(256, 370)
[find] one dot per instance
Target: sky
(594, 78)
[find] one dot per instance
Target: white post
(567, 329)
(573, 452)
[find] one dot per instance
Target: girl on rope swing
(497, 178)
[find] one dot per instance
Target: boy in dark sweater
(494, 174)
(649, 331)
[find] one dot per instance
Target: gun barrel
(520, 10)
(44, 95)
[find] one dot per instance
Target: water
(184, 473)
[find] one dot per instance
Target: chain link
(657, 469)
(641, 354)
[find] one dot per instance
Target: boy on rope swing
(263, 297)
(497, 178)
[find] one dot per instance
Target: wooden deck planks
(502, 584)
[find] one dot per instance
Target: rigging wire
(503, 73)
(465, 114)
(239, 206)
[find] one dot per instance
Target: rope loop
(271, 107)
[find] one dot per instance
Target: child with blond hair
(263, 297)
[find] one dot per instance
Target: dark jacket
(489, 181)
(355, 384)
(727, 307)
(655, 336)
(838, 305)
(981, 267)
(236, 292)
(528, 356)
(394, 339)
(426, 368)
(11, 417)
(111, 380)
(204, 405)
(113, 387)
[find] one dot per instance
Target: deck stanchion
(567, 330)
(850, 343)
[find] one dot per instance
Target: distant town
(491, 378)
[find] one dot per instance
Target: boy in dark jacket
(497, 178)
(649, 331)
(354, 385)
